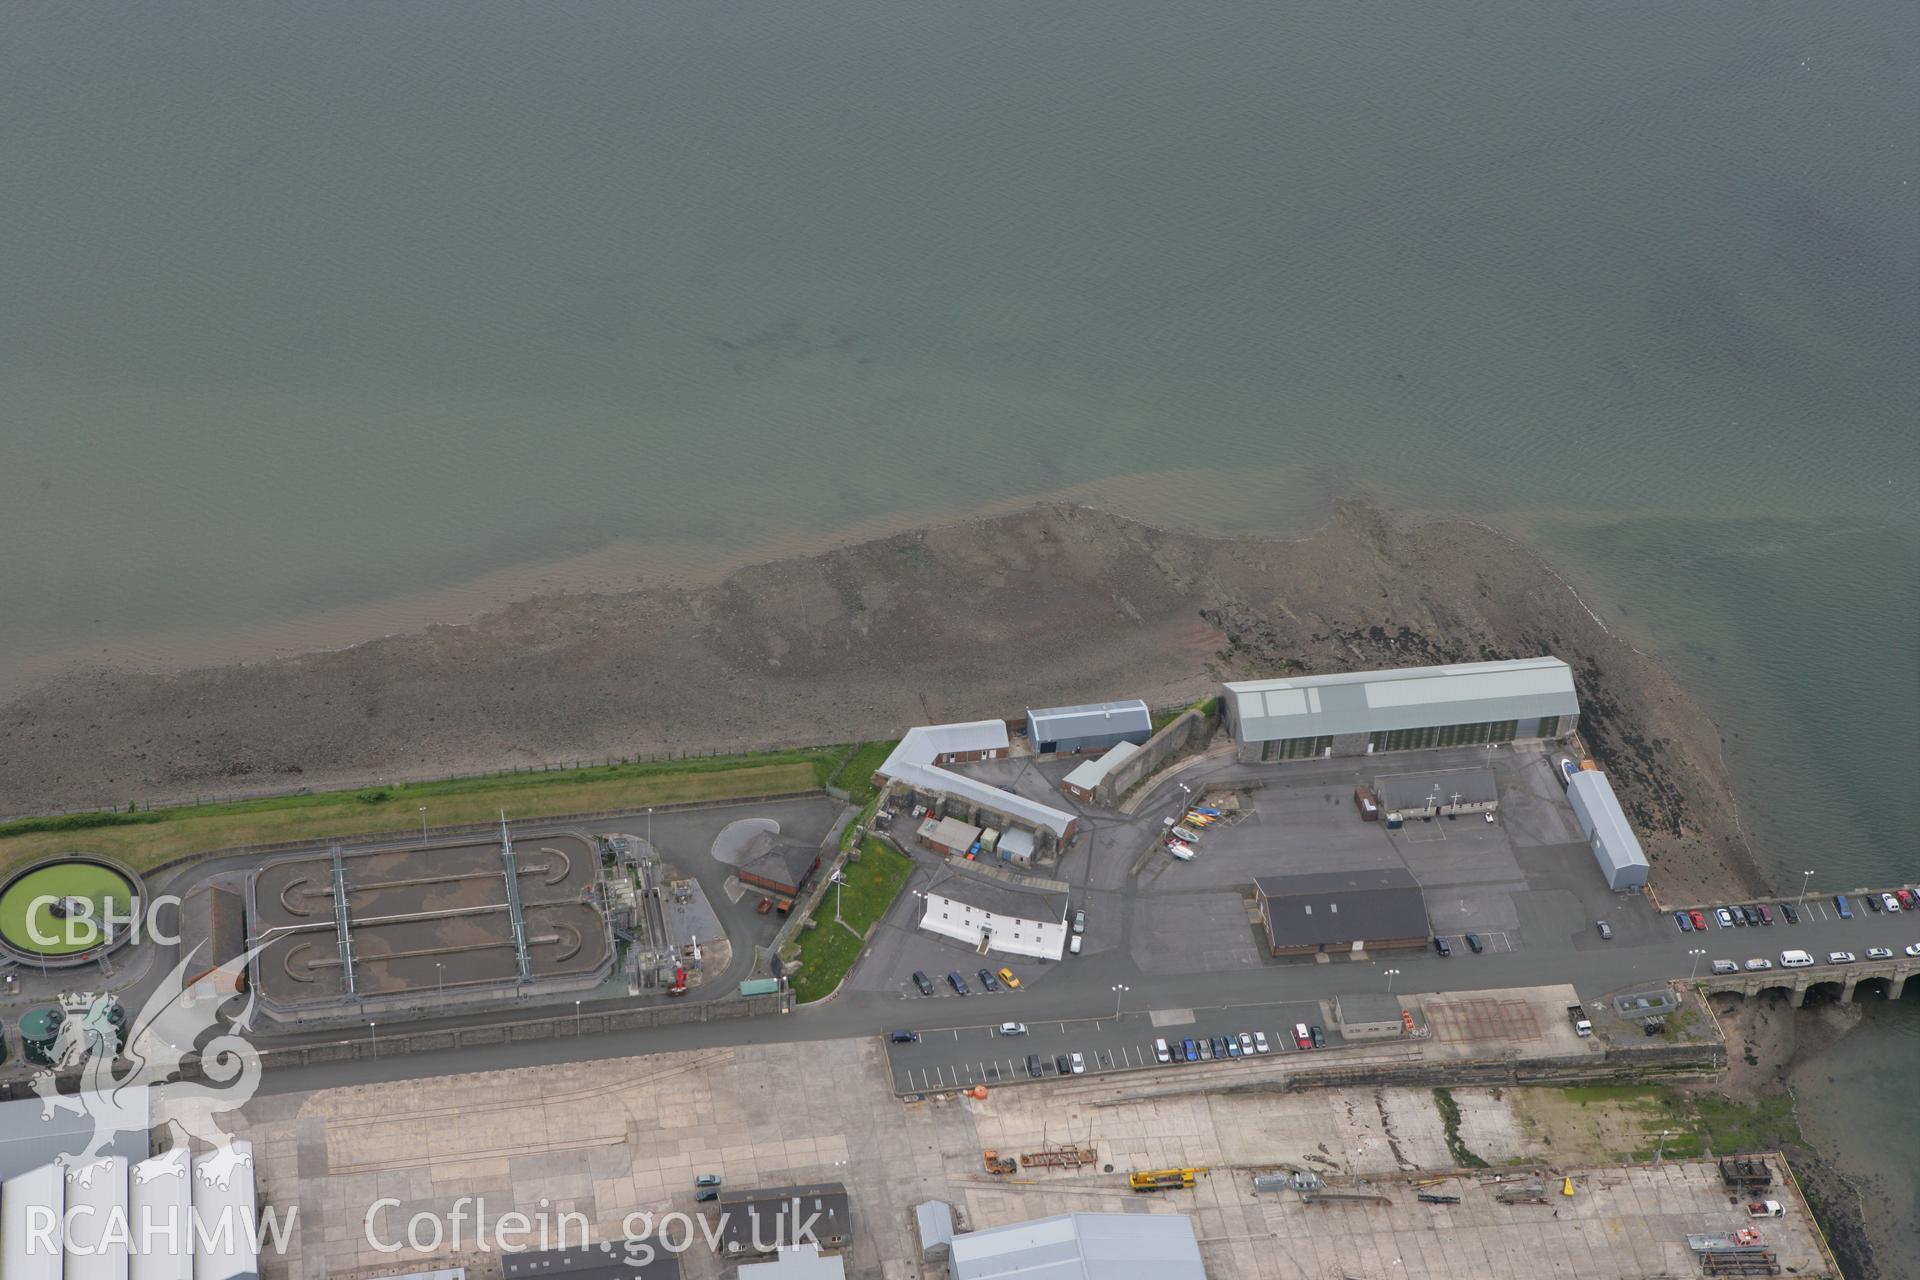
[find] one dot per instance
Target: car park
(1606, 930)
(1302, 1038)
(1079, 1064)
(1684, 920)
(1063, 1064)
(1190, 1050)
(1725, 966)
(1839, 957)
(1013, 1028)
(1007, 976)
(905, 1037)
(1034, 1068)
(959, 984)
(1879, 953)
(1840, 905)
(1160, 1051)
(1440, 946)
(988, 982)
(1756, 965)
(1699, 919)
(1473, 943)
(1792, 915)
(1260, 1044)
(921, 981)
(1724, 916)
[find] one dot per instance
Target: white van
(1795, 959)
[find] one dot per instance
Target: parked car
(1873, 903)
(1839, 957)
(1223, 1047)
(1699, 919)
(1302, 1038)
(1079, 1064)
(1318, 1036)
(1879, 953)
(1440, 945)
(707, 1180)
(1752, 916)
(1034, 1068)
(923, 982)
(958, 983)
(1892, 903)
(1766, 916)
(988, 982)
(1079, 922)
(1907, 899)
(705, 1194)
(1913, 948)
(1013, 1028)
(1724, 916)
(1743, 917)
(1725, 966)
(1473, 943)
(1787, 910)
(1230, 1046)
(1063, 1064)
(1189, 1050)
(1006, 976)
(1684, 920)
(905, 1037)
(1206, 1049)
(1840, 905)
(1606, 930)
(1160, 1051)
(1073, 944)
(1754, 966)
(1260, 1044)
(1247, 1042)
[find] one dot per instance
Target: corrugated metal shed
(912, 762)
(45, 1186)
(1094, 724)
(1083, 1246)
(1090, 773)
(1404, 698)
(933, 1220)
(804, 1263)
(1615, 847)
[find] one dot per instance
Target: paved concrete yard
(608, 1138)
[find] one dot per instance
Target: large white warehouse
(1364, 712)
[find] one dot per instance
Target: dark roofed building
(773, 1218)
(1342, 911)
(779, 866)
(213, 931)
(612, 1260)
(1451, 791)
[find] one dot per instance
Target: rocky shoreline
(1053, 604)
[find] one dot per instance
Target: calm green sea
(317, 320)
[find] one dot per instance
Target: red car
(1302, 1038)
(1907, 899)
(1699, 920)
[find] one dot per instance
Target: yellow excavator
(1165, 1179)
(997, 1163)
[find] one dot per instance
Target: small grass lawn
(829, 949)
(149, 837)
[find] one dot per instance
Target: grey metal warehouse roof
(1404, 698)
(1089, 774)
(1334, 907)
(912, 760)
(1622, 859)
(1083, 1246)
(1092, 719)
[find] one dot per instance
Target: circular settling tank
(56, 910)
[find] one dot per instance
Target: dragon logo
(170, 1028)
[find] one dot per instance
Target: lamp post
(1805, 876)
(440, 971)
(1391, 975)
(576, 1019)
(423, 824)
(1119, 994)
(1660, 1151)
(373, 1035)
(1696, 953)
